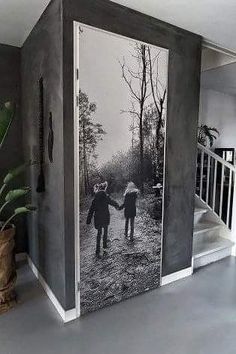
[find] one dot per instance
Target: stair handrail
(204, 194)
(217, 157)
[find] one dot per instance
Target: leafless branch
(128, 82)
(151, 81)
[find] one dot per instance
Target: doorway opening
(213, 237)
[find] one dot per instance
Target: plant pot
(7, 269)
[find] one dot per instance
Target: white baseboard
(21, 257)
(66, 316)
(176, 276)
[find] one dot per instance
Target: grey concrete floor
(196, 315)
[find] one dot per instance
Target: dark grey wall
(11, 154)
(48, 52)
(181, 143)
(183, 101)
(42, 56)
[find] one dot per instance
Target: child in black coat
(129, 207)
(100, 209)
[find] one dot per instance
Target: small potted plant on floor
(7, 229)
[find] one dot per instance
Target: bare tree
(158, 97)
(137, 82)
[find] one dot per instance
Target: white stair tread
(205, 226)
(209, 246)
(198, 210)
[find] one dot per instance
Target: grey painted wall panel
(11, 153)
(42, 56)
(182, 120)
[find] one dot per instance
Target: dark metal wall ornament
(41, 178)
(50, 139)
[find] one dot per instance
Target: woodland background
(127, 269)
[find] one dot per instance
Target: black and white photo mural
(122, 119)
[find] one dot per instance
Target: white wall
(219, 110)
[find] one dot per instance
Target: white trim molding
(76, 166)
(214, 46)
(66, 316)
(176, 276)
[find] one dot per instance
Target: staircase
(208, 244)
(213, 236)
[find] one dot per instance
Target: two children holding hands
(99, 209)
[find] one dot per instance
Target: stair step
(210, 250)
(199, 214)
(202, 227)
(200, 211)
(208, 246)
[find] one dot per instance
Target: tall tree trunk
(142, 101)
(141, 151)
(139, 96)
(84, 164)
(159, 123)
(87, 176)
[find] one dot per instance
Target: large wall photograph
(122, 119)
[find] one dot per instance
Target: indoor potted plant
(7, 229)
(207, 135)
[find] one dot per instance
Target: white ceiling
(17, 18)
(213, 19)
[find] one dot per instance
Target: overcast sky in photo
(101, 79)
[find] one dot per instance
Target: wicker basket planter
(7, 269)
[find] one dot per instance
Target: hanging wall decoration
(122, 115)
(50, 139)
(41, 178)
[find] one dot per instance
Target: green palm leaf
(13, 174)
(25, 209)
(7, 112)
(16, 193)
(214, 130)
(16, 172)
(205, 134)
(21, 210)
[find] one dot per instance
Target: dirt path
(127, 269)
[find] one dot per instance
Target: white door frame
(76, 161)
(76, 167)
